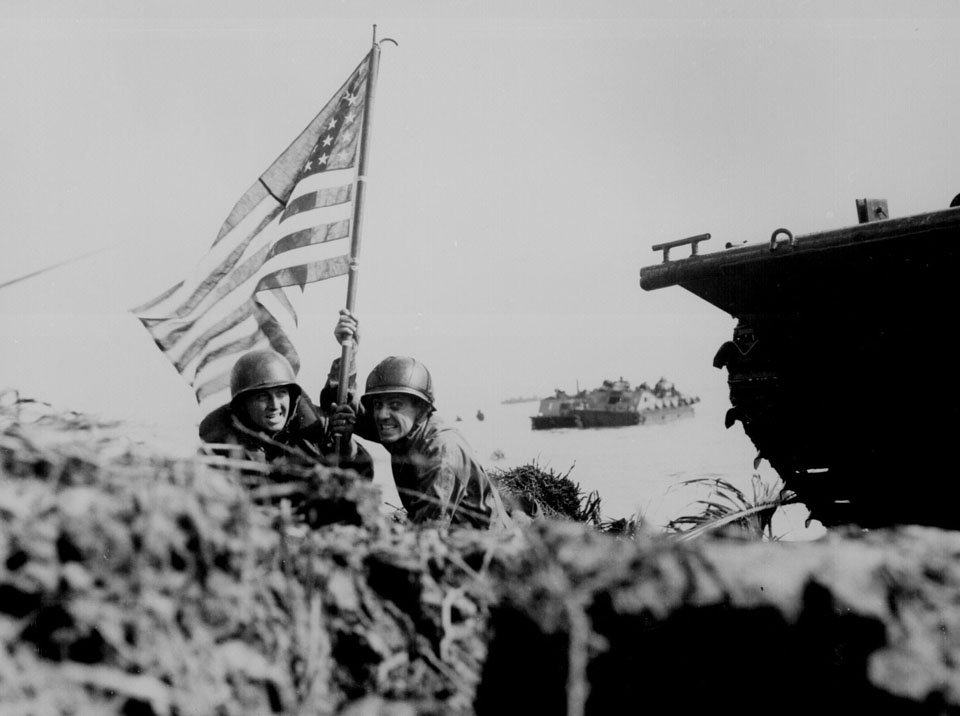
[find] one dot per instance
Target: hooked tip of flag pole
(386, 39)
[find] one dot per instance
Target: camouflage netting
(139, 584)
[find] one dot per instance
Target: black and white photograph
(478, 357)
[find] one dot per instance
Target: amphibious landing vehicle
(842, 367)
(614, 404)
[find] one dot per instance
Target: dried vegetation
(548, 493)
(136, 584)
(145, 585)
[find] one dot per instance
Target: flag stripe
(241, 345)
(215, 386)
(319, 181)
(318, 200)
(195, 374)
(308, 273)
(249, 238)
(143, 308)
(177, 330)
(254, 197)
(280, 304)
(229, 273)
(310, 237)
(192, 349)
(280, 236)
(226, 268)
(278, 338)
(236, 285)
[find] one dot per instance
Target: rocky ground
(137, 583)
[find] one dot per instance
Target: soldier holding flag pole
(346, 338)
(229, 327)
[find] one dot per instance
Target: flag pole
(347, 347)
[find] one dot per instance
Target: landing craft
(520, 399)
(614, 404)
(842, 368)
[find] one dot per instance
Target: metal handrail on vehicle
(693, 241)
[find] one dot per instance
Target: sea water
(638, 470)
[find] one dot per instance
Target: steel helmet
(400, 374)
(261, 369)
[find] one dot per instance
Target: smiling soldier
(436, 474)
(268, 418)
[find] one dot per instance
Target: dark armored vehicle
(842, 367)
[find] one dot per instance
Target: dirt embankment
(136, 583)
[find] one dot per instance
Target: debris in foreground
(135, 583)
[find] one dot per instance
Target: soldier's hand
(342, 419)
(347, 328)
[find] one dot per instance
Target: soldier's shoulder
(216, 425)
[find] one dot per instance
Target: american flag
(285, 232)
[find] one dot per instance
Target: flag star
(322, 159)
(327, 140)
(343, 155)
(351, 98)
(333, 123)
(349, 118)
(347, 138)
(308, 166)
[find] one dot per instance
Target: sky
(524, 158)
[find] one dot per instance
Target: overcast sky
(525, 156)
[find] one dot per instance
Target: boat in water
(614, 404)
(520, 399)
(842, 368)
